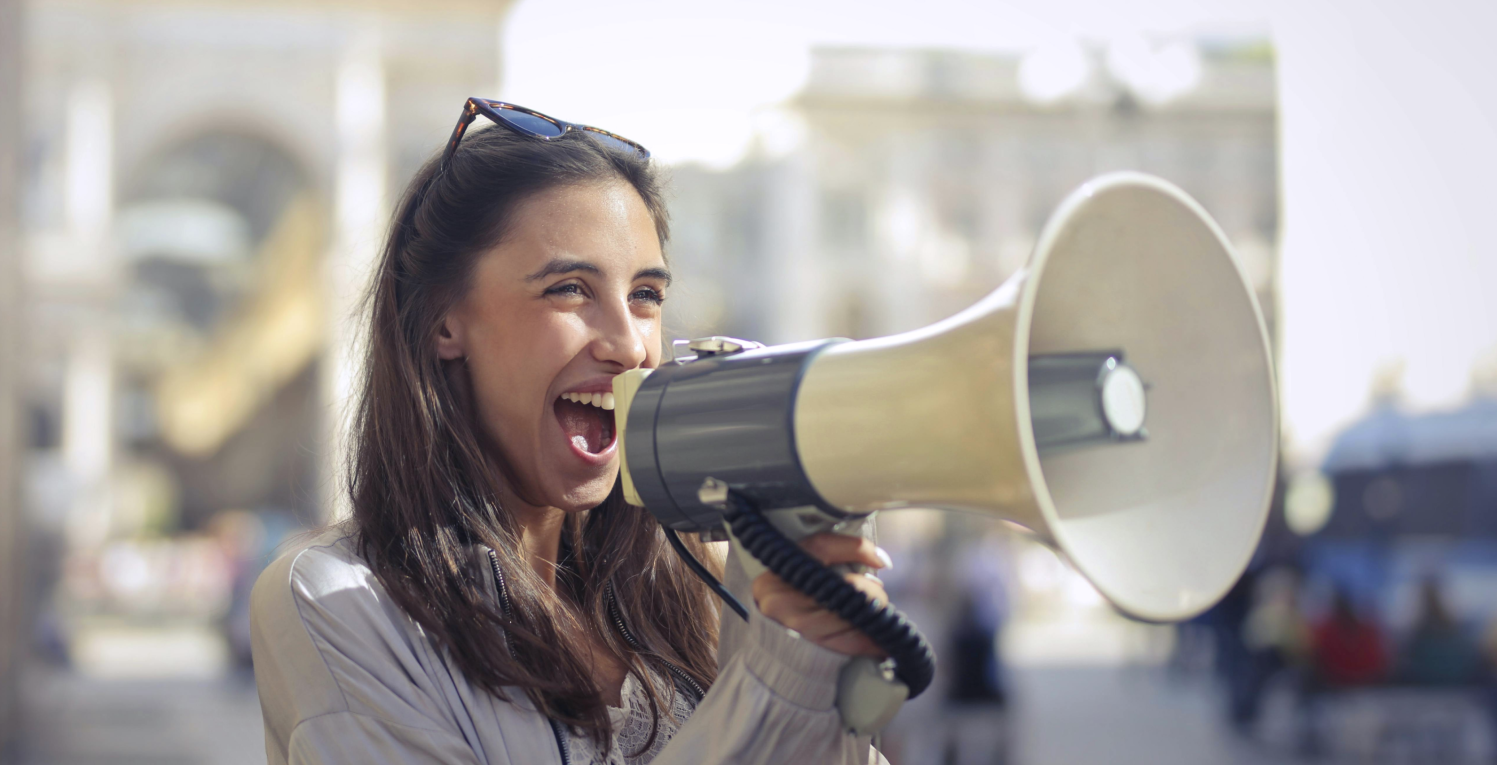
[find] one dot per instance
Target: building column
(14, 624)
(360, 218)
(795, 307)
(88, 388)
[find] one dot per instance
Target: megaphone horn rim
(1033, 276)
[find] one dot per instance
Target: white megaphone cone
(1163, 519)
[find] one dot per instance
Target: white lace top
(631, 728)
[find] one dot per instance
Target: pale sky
(1389, 142)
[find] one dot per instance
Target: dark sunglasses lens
(616, 144)
(532, 123)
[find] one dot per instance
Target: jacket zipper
(504, 605)
(503, 594)
(618, 621)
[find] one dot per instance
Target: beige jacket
(346, 677)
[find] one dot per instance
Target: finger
(798, 611)
(768, 585)
(832, 549)
(852, 643)
(828, 631)
(817, 625)
(871, 586)
(784, 606)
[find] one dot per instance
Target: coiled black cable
(914, 660)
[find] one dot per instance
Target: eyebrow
(560, 266)
(654, 273)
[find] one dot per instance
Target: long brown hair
(424, 490)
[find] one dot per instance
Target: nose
(621, 338)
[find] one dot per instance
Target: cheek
(513, 371)
(649, 330)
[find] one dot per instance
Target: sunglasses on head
(532, 123)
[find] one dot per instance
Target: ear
(450, 338)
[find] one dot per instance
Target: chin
(588, 494)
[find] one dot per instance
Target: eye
(568, 289)
(648, 295)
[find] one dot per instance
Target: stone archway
(221, 317)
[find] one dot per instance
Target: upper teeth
(601, 400)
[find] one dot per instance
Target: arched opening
(220, 323)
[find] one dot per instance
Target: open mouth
(586, 420)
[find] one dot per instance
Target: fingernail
(883, 557)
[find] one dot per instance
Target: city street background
(192, 193)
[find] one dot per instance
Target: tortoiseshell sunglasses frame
(494, 110)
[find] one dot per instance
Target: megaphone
(1115, 397)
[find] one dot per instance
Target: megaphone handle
(914, 660)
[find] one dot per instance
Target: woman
(493, 599)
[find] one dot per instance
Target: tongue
(588, 427)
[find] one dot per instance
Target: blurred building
(900, 186)
(1402, 499)
(205, 185)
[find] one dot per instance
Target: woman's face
(568, 300)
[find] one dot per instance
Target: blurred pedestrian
(1276, 639)
(1233, 661)
(973, 659)
(1347, 649)
(976, 695)
(241, 538)
(1439, 650)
